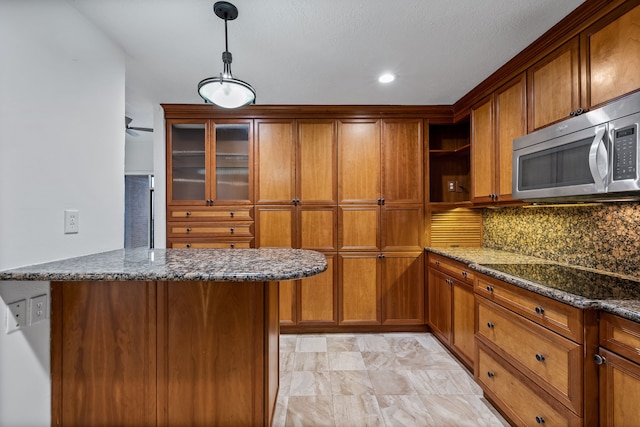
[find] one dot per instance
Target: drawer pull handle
(490, 288)
(231, 214)
(599, 359)
(539, 310)
(490, 325)
(540, 420)
(188, 229)
(438, 263)
(464, 274)
(540, 357)
(231, 230)
(188, 213)
(491, 374)
(188, 245)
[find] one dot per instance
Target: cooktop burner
(580, 282)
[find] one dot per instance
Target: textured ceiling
(319, 51)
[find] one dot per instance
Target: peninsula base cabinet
(619, 361)
(164, 353)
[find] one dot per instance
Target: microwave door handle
(598, 164)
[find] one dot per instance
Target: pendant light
(224, 90)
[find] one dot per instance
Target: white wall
(62, 90)
(138, 154)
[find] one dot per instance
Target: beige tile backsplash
(606, 236)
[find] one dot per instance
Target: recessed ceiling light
(386, 78)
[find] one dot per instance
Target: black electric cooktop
(573, 280)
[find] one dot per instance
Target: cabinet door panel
(402, 161)
(619, 390)
(614, 57)
(439, 305)
(317, 162)
(318, 228)
(287, 298)
(275, 226)
(511, 123)
(482, 153)
(463, 321)
(233, 162)
(359, 286)
(275, 154)
(317, 296)
(554, 86)
(358, 161)
(402, 227)
(359, 228)
(403, 289)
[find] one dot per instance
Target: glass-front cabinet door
(209, 162)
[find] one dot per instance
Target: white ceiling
(319, 51)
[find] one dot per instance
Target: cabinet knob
(490, 288)
(438, 263)
(188, 229)
(599, 359)
(188, 213)
(233, 245)
(490, 325)
(464, 274)
(188, 245)
(540, 420)
(539, 310)
(380, 256)
(231, 214)
(231, 230)
(382, 200)
(491, 374)
(540, 357)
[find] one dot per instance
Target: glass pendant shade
(226, 92)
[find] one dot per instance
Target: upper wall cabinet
(495, 122)
(401, 149)
(209, 162)
(359, 161)
(554, 86)
(611, 50)
(596, 66)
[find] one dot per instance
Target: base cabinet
(451, 309)
(164, 353)
(619, 361)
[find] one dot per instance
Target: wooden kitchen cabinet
(402, 288)
(619, 364)
(544, 345)
(401, 151)
(359, 161)
(554, 86)
(495, 123)
(449, 163)
(359, 288)
(275, 162)
(609, 49)
(317, 296)
(451, 306)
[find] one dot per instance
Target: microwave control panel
(625, 152)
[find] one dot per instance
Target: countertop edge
(628, 309)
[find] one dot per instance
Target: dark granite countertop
(605, 291)
(217, 265)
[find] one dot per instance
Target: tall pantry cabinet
(380, 211)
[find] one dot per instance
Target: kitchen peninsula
(167, 337)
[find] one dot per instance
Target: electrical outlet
(451, 185)
(37, 309)
(71, 221)
(16, 315)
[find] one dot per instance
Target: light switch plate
(16, 315)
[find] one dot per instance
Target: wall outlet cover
(16, 315)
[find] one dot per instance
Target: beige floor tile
(309, 361)
(391, 383)
(349, 383)
(342, 343)
(306, 411)
(308, 383)
(346, 361)
(405, 411)
(463, 411)
(311, 343)
(373, 342)
(375, 360)
(360, 411)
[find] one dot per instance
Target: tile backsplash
(605, 237)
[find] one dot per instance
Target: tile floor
(357, 380)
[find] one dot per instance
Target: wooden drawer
(201, 213)
(522, 401)
(217, 229)
(551, 361)
(555, 315)
(455, 269)
(243, 243)
(620, 335)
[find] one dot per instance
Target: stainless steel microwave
(591, 157)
